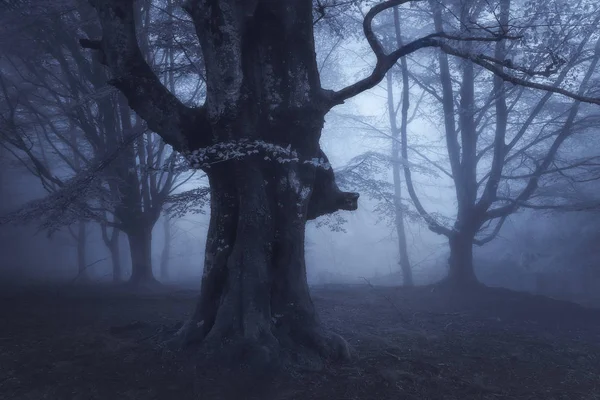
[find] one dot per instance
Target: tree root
(298, 348)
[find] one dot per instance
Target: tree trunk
(4, 194)
(112, 243)
(115, 255)
(407, 278)
(254, 287)
(407, 275)
(257, 140)
(82, 273)
(461, 272)
(166, 252)
(140, 247)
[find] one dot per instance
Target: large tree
(257, 139)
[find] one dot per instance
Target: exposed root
(309, 348)
(303, 348)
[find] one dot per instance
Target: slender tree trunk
(166, 252)
(407, 275)
(112, 243)
(398, 208)
(81, 252)
(140, 247)
(115, 255)
(396, 152)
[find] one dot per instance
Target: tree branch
(591, 206)
(131, 74)
(566, 131)
(491, 236)
(386, 61)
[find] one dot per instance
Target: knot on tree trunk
(326, 196)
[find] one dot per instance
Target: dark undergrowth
(421, 343)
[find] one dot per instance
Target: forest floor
(421, 343)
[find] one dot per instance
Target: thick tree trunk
(140, 247)
(254, 288)
(262, 121)
(461, 272)
(255, 295)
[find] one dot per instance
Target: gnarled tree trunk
(257, 139)
(254, 288)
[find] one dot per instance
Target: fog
(300, 199)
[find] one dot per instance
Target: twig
(86, 268)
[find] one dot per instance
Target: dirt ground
(421, 343)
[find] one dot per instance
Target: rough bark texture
(254, 289)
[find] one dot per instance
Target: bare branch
(493, 234)
(498, 70)
(132, 75)
(439, 39)
(589, 206)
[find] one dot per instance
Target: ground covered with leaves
(421, 343)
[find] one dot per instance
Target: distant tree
(60, 119)
(502, 141)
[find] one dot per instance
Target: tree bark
(115, 256)
(254, 288)
(112, 243)
(81, 237)
(265, 108)
(407, 278)
(461, 272)
(166, 252)
(140, 247)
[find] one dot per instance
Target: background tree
(60, 101)
(502, 141)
